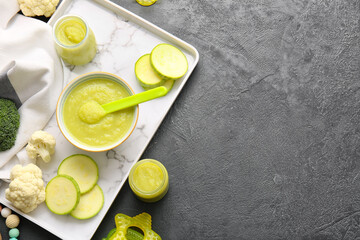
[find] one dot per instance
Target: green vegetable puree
(148, 177)
(75, 41)
(149, 180)
(111, 127)
(91, 112)
(71, 32)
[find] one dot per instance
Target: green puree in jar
(75, 41)
(149, 180)
(112, 127)
(71, 32)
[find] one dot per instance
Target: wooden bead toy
(12, 221)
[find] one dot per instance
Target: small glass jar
(149, 180)
(146, 2)
(74, 40)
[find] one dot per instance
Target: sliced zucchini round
(168, 84)
(145, 73)
(83, 169)
(62, 194)
(168, 61)
(90, 204)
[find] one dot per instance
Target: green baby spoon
(92, 112)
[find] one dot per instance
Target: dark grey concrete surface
(264, 140)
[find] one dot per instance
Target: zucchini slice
(62, 194)
(168, 61)
(83, 169)
(168, 84)
(90, 204)
(146, 75)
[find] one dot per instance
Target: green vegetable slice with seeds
(168, 61)
(62, 194)
(168, 84)
(145, 73)
(83, 169)
(90, 204)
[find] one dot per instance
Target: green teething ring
(141, 221)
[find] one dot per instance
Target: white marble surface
(120, 43)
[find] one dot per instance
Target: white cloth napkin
(29, 61)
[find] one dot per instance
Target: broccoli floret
(9, 123)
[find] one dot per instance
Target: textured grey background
(263, 141)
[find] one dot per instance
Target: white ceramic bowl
(65, 93)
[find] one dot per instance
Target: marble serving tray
(122, 37)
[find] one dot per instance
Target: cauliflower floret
(41, 145)
(26, 189)
(38, 7)
(18, 171)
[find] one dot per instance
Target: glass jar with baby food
(146, 2)
(149, 180)
(74, 40)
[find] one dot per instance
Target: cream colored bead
(5, 212)
(12, 221)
